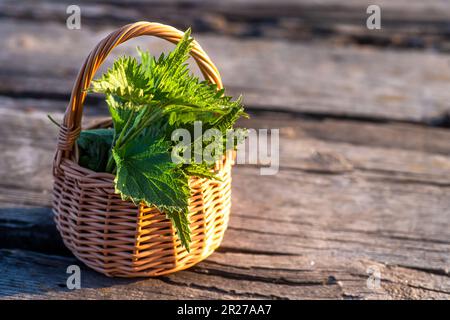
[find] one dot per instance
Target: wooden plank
(259, 278)
(398, 151)
(39, 61)
(206, 281)
(389, 135)
(29, 227)
(388, 210)
(404, 23)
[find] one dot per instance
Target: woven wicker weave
(116, 237)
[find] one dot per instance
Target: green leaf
(165, 71)
(230, 116)
(94, 147)
(188, 99)
(120, 112)
(181, 223)
(125, 80)
(199, 170)
(146, 173)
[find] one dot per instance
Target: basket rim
(86, 172)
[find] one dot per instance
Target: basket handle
(71, 127)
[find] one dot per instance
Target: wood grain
(364, 177)
(405, 23)
(388, 210)
(38, 61)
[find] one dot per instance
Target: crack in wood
(384, 233)
(226, 249)
(426, 289)
(297, 21)
(249, 295)
(254, 278)
(435, 271)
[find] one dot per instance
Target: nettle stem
(145, 123)
(130, 134)
(110, 164)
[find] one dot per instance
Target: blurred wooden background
(364, 118)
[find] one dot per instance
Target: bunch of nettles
(148, 100)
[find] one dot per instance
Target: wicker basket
(116, 237)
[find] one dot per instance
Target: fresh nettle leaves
(148, 100)
(95, 148)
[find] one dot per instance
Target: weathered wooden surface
(41, 61)
(364, 180)
(381, 205)
(406, 23)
